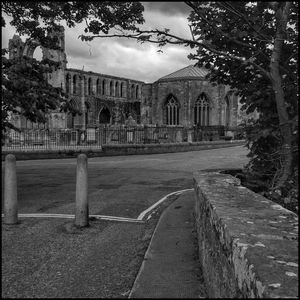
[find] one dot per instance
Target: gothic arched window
(111, 88)
(171, 111)
(90, 86)
(104, 116)
(121, 89)
(132, 91)
(201, 111)
(137, 92)
(68, 84)
(103, 87)
(87, 113)
(117, 89)
(74, 84)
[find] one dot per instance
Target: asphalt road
(120, 186)
(51, 258)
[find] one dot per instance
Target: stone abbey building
(183, 97)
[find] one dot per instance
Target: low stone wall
(248, 245)
(112, 150)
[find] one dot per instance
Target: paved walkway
(170, 268)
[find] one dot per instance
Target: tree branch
(178, 40)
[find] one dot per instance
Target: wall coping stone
(118, 149)
(248, 245)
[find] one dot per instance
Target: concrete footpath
(171, 268)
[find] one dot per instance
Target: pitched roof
(189, 72)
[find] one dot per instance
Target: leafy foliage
(243, 37)
(98, 16)
(25, 89)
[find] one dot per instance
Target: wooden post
(82, 209)
(10, 191)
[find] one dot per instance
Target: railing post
(82, 209)
(10, 191)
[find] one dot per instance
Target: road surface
(119, 186)
(44, 257)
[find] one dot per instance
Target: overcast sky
(127, 58)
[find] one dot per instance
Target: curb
(146, 256)
(119, 150)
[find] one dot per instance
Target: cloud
(125, 57)
(132, 62)
(178, 24)
(169, 8)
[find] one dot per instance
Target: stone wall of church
(146, 104)
(186, 92)
(107, 99)
(93, 93)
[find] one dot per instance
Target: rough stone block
(248, 245)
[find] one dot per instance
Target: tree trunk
(282, 14)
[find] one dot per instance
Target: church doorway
(104, 116)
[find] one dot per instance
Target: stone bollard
(82, 208)
(10, 191)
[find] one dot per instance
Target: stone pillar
(10, 191)
(113, 88)
(82, 209)
(71, 85)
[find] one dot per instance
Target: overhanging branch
(162, 38)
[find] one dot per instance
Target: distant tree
(25, 89)
(253, 47)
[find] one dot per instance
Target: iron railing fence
(208, 133)
(238, 131)
(107, 135)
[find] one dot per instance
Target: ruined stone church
(183, 97)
